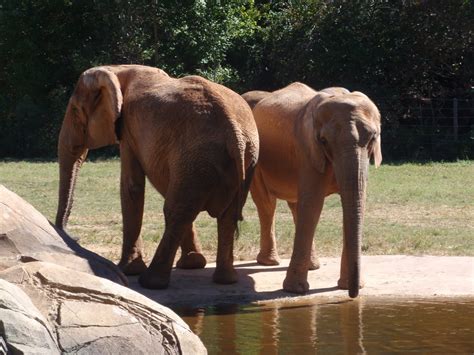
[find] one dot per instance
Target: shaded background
(413, 58)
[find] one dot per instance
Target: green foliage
(398, 52)
(408, 56)
(365, 44)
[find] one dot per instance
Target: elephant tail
(236, 148)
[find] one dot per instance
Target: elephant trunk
(352, 180)
(72, 153)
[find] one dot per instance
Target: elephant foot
(154, 281)
(343, 284)
(132, 267)
(296, 281)
(295, 286)
(225, 276)
(191, 260)
(268, 259)
(314, 263)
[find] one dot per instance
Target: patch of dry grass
(411, 209)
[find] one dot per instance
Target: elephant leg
(180, 213)
(226, 227)
(309, 206)
(191, 254)
(343, 282)
(266, 205)
(314, 263)
(132, 195)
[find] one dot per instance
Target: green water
(360, 326)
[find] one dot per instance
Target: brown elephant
(254, 97)
(313, 144)
(335, 90)
(195, 140)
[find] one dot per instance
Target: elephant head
(254, 97)
(341, 133)
(335, 90)
(89, 123)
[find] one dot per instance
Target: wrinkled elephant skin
(195, 141)
(313, 144)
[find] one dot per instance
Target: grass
(411, 209)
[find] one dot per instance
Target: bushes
(398, 52)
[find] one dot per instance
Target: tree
(398, 52)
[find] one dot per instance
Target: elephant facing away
(195, 140)
(313, 144)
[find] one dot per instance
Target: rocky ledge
(59, 298)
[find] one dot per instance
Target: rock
(23, 327)
(26, 235)
(86, 314)
(53, 302)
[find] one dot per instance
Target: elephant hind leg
(226, 228)
(266, 205)
(180, 211)
(191, 254)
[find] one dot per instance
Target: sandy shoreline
(389, 276)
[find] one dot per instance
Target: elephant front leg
(343, 282)
(191, 254)
(266, 205)
(309, 207)
(132, 194)
(314, 263)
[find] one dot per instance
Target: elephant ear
(377, 151)
(102, 102)
(308, 130)
(377, 146)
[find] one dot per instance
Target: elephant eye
(323, 140)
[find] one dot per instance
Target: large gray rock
(26, 235)
(53, 302)
(79, 313)
(21, 323)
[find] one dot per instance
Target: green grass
(411, 209)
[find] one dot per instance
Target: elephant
(313, 144)
(335, 90)
(195, 140)
(254, 97)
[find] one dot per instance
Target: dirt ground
(385, 276)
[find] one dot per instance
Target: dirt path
(385, 276)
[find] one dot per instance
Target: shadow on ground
(195, 287)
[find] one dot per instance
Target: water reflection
(356, 326)
(269, 328)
